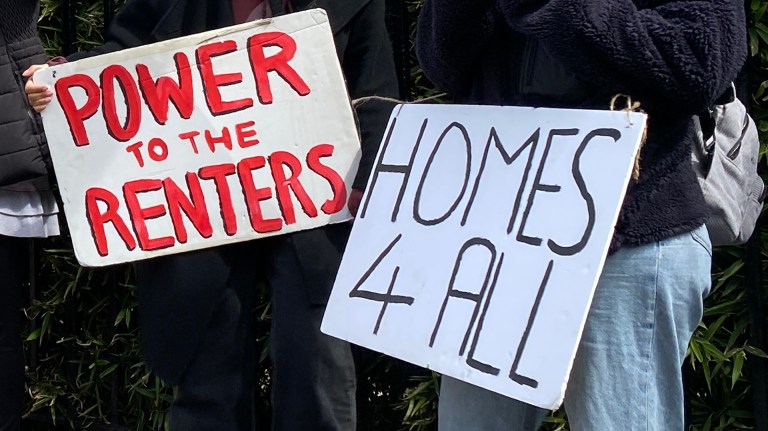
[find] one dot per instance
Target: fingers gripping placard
(480, 241)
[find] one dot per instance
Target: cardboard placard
(481, 239)
(224, 136)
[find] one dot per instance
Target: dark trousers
(314, 382)
(13, 273)
(313, 378)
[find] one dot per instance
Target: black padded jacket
(23, 151)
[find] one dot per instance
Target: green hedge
(85, 370)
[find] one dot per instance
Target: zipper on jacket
(734, 151)
(23, 93)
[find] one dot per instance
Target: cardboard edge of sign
(93, 261)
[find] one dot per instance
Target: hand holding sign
(39, 95)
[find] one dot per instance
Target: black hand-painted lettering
(386, 303)
(390, 168)
(384, 298)
(477, 298)
(417, 199)
(531, 142)
(539, 187)
(471, 361)
(579, 178)
(518, 378)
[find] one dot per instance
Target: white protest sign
(223, 136)
(480, 241)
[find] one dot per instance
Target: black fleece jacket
(675, 57)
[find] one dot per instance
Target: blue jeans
(626, 375)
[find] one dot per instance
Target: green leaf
(707, 375)
(108, 371)
(738, 363)
(120, 317)
(755, 351)
(34, 335)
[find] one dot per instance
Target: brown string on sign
(631, 106)
(360, 101)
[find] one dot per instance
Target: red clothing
(246, 10)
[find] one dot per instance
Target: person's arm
(679, 56)
(449, 40)
(368, 64)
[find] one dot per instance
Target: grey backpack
(725, 159)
